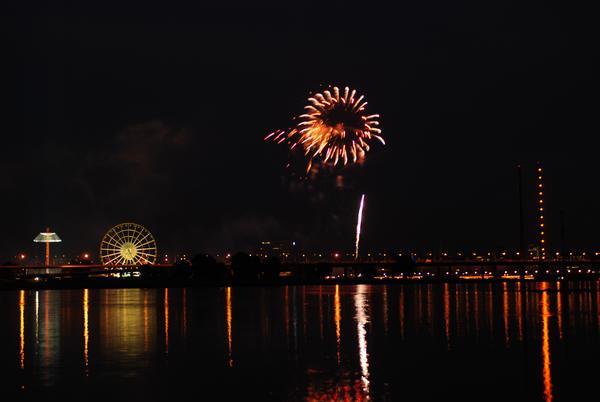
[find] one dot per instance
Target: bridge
(390, 270)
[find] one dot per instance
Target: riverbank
(132, 282)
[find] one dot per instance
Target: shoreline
(138, 283)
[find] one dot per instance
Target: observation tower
(47, 237)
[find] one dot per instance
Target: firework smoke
(334, 128)
(358, 225)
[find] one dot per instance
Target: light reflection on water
(86, 329)
(312, 342)
(447, 315)
(122, 332)
(166, 321)
(362, 319)
(229, 323)
(22, 329)
(338, 319)
(547, 375)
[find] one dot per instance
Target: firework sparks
(358, 225)
(335, 128)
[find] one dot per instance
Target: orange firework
(334, 128)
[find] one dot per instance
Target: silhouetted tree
(271, 268)
(245, 267)
(206, 268)
(182, 269)
(202, 265)
(403, 264)
(221, 272)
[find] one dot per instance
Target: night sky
(155, 113)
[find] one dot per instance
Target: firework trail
(358, 225)
(334, 128)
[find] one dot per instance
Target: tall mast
(541, 210)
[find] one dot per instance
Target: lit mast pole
(47, 259)
(541, 226)
(522, 252)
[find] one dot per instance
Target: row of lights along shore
(48, 237)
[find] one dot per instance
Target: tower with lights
(47, 237)
(540, 206)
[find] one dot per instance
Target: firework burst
(335, 128)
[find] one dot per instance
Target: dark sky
(155, 113)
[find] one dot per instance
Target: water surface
(341, 342)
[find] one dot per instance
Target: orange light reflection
(402, 314)
(86, 334)
(229, 321)
(385, 310)
(321, 326)
(519, 308)
(22, 329)
(546, 373)
(476, 310)
(167, 321)
(447, 314)
(338, 318)
(505, 308)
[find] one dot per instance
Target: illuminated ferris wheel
(128, 244)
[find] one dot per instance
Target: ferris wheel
(128, 244)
